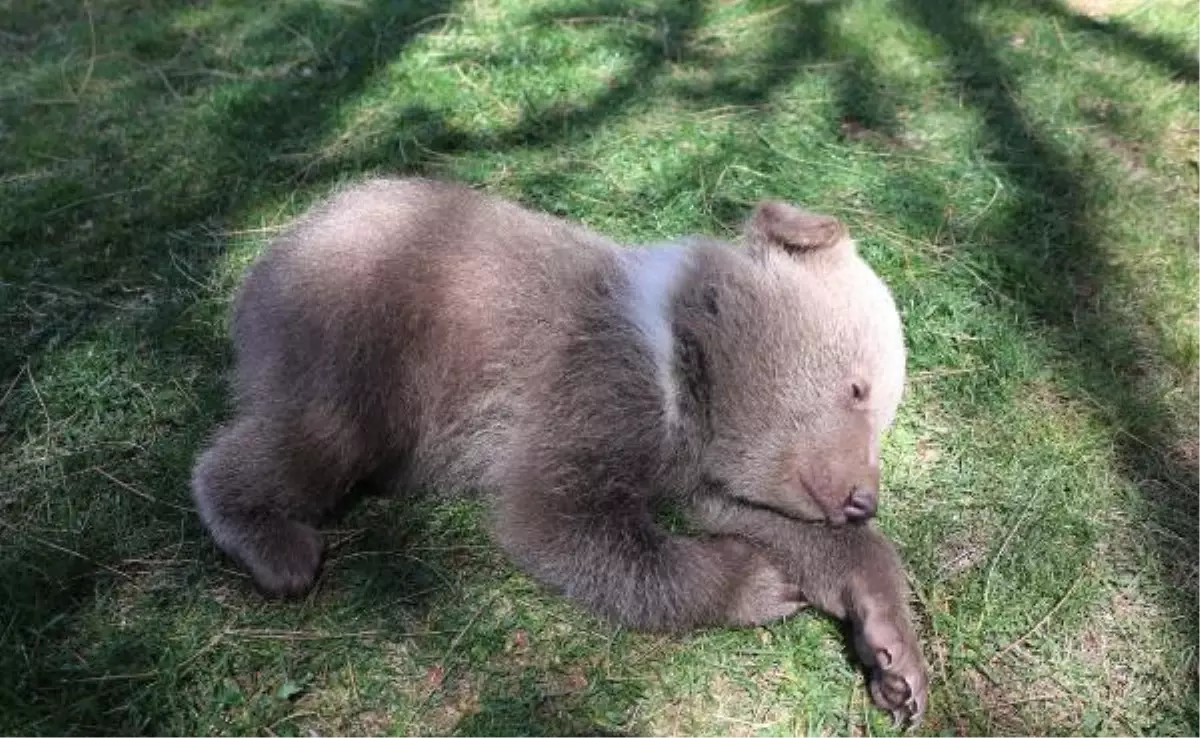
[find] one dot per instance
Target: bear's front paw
(764, 596)
(899, 681)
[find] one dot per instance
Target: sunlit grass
(1022, 173)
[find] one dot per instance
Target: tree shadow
(167, 174)
(116, 240)
(105, 252)
(528, 714)
(1046, 261)
(1117, 32)
(798, 38)
(127, 253)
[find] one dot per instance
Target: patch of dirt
(459, 700)
(559, 684)
(960, 553)
(855, 130)
(1100, 109)
(928, 452)
(1132, 154)
(1182, 144)
(1186, 452)
(370, 722)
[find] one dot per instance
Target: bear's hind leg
(260, 488)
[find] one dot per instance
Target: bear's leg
(851, 572)
(260, 488)
(602, 549)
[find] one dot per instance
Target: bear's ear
(794, 230)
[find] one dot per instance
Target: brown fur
(851, 572)
(466, 342)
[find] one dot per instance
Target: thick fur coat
(451, 340)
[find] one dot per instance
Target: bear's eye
(859, 391)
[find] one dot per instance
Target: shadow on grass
(1166, 55)
(798, 38)
(105, 249)
(1044, 252)
(1047, 261)
(111, 243)
(528, 716)
(155, 185)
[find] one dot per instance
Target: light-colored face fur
(808, 372)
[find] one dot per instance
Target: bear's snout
(861, 505)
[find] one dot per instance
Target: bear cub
(456, 341)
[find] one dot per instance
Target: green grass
(1022, 172)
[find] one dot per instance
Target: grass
(1023, 172)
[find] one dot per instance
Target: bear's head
(804, 367)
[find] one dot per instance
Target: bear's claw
(899, 678)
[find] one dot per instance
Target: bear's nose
(861, 504)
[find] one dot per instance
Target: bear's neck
(654, 273)
(712, 312)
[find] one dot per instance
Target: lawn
(1022, 172)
